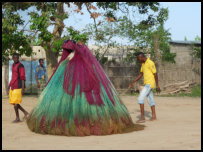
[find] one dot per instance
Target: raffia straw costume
(79, 99)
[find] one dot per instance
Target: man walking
(148, 69)
(17, 85)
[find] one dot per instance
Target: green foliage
(103, 38)
(12, 39)
(131, 56)
(144, 40)
(77, 36)
(41, 23)
(196, 91)
(57, 45)
(164, 38)
(196, 50)
(162, 16)
(197, 38)
(51, 13)
(141, 33)
(134, 93)
(169, 57)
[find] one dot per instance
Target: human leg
(145, 91)
(151, 102)
(23, 110)
(17, 113)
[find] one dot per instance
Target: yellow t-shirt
(148, 68)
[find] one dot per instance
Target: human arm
(157, 84)
(138, 78)
(23, 86)
(22, 77)
(36, 80)
(153, 69)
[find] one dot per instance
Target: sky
(184, 19)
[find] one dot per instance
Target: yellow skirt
(15, 96)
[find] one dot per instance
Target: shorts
(15, 96)
(146, 92)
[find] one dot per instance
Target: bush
(196, 91)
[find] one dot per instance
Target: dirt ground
(178, 127)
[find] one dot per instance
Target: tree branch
(106, 47)
(87, 6)
(24, 26)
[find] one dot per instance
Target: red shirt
(18, 74)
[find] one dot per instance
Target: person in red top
(17, 85)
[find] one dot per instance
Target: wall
(186, 68)
(121, 75)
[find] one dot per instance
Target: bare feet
(16, 121)
(25, 117)
(152, 119)
(140, 121)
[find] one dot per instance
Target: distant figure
(17, 85)
(148, 69)
(40, 76)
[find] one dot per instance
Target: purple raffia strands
(84, 70)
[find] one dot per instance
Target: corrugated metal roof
(186, 42)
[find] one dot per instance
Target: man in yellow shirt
(148, 69)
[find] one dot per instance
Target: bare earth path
(178, 127)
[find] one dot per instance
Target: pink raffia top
(84, 70)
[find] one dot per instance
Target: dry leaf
(92, 7)
(95, 15)
(110, 19)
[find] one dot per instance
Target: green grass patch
(196, 91)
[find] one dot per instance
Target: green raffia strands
(58, 113)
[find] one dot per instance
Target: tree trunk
(157, 53)
(52, 60)
(52, 57)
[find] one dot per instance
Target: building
(186, 67)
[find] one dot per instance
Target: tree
(103, 36)
(12, 39)
(144, 36)
(122, 25)
(197, 38)
(52, 13)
